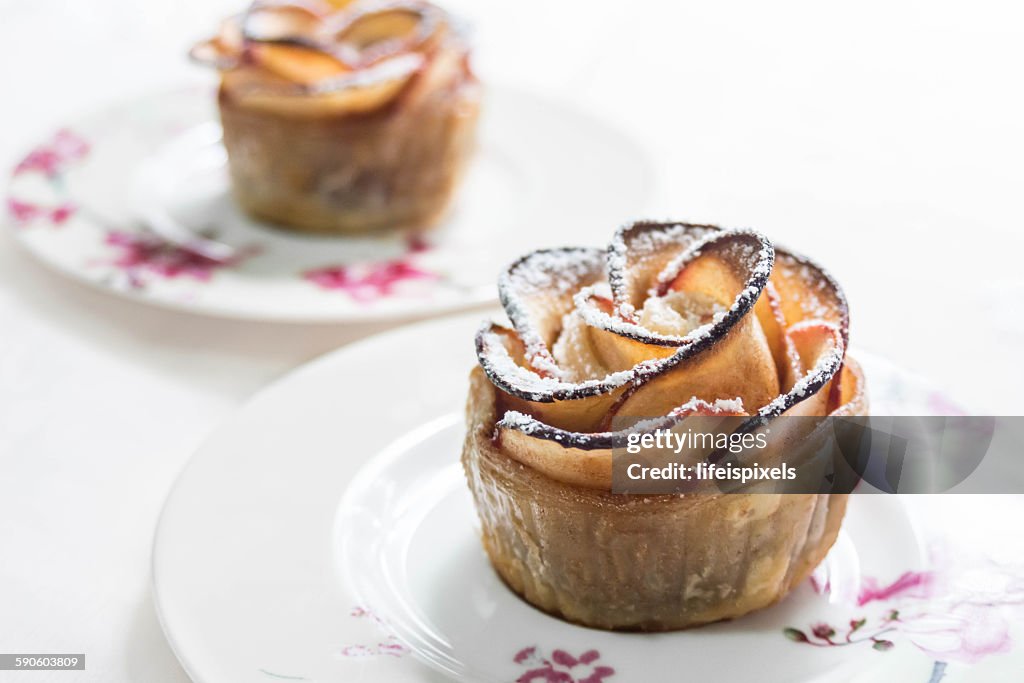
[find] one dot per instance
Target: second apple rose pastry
(673, 320)
(344, 117)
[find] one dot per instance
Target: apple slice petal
(821, 348)
(695, 407)
(853, 398)
(617, 351)
(296, 63)
(213, 53)
(223, 51)
(721, 262)
(730, 267)
(738, 364)
(322, 59)
(808, 292)
(510, 365)
(639, 252)
(575, 353)
(537, 292)
(372, 31)
(569, 325)
(389, 75)
(520, 388)
(785, 359)
(578, 406)
(567, 456)
(769, 314)
(297, 23)
(585, 459)
(349, 93)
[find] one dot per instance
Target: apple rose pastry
(674, 320)
(344, 117)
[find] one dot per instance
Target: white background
(885, 138)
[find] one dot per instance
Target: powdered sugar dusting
(502, 369)
(553, 271)
(539, 290)
(722, 405)
(738, 246)
(536, 292)
(531, 426)
(824, 369)
(761, 258)
(639, 242)
(555, 297)
(573, 352)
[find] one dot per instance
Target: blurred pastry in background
(344, 118)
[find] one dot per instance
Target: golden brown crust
(388, 170)
(347, 118)
(690, 321)
(649, 563)
(681, 321)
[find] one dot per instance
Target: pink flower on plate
(561, 667)
(941, 404)
(60, 214)
(366, 282)
(389, 647)
(959, 610)
(966, 633)
(50, 158)
(147, 253)
(24, 213)
(908, 585)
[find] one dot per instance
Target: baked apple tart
(344, 117)
(673, 320)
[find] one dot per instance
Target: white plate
(409, 547)
(325, 534)
(81, 202)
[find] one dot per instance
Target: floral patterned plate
(324, 534)
(135, 199)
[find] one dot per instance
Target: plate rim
(351, 351)
(475, 298)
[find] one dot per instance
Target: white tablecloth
(884, 138)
